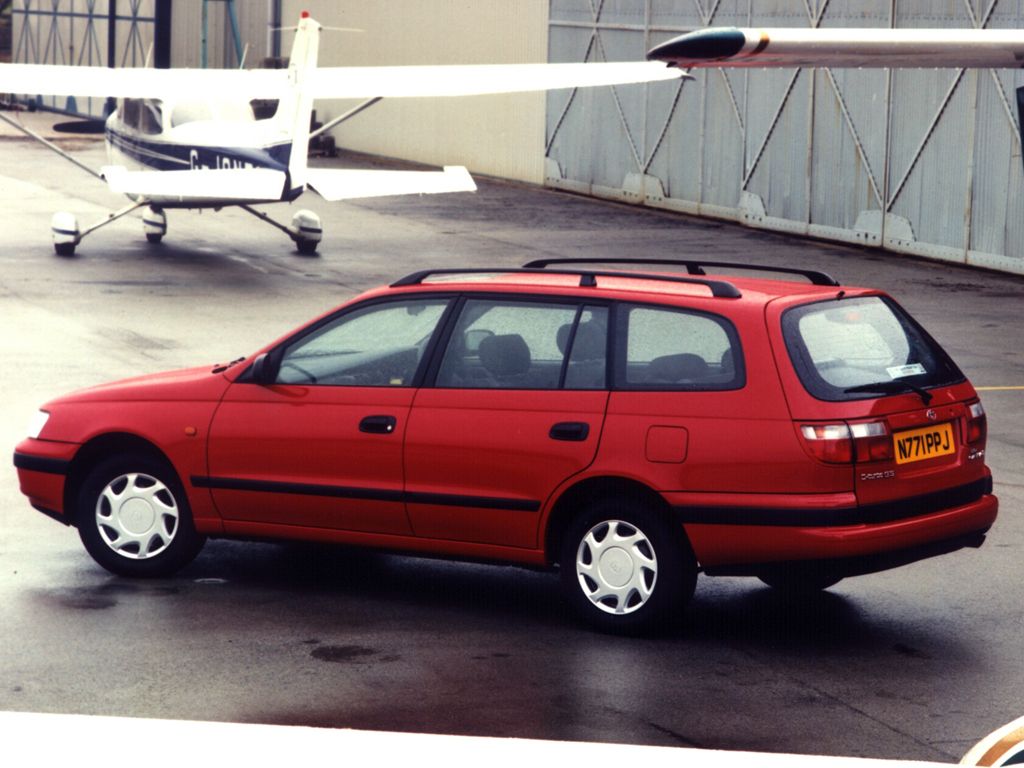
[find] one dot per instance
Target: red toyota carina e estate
(631, 428)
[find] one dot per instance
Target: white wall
(493, 135)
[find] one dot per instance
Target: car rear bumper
(42, 472)
(865, 547)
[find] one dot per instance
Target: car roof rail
(695, 266)
(722, 289)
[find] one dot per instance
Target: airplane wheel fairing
(65, 232)
(154, 224)
(306, 231)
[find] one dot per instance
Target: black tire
(799, 578)
(126, 495)
(64, 249)
(654, 558)
(154, 237)
(306, 247)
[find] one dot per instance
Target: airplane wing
(473, 80)
(332, 184)
(327, 83)
(229, 184)
(139, 82)
(836, 47)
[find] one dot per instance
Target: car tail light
(847, 443)
(977, 424)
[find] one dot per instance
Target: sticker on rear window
(901, 371)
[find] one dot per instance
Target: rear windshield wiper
(892, 387)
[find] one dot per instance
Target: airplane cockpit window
(151, 117)
(130, 109)
(144, 115)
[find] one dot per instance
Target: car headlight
(38, 422)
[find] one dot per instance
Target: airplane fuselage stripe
(160, 155)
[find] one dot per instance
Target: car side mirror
(264, 372)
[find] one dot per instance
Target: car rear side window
(674, 349)
(862, 348)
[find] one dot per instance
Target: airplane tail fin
(295, 110)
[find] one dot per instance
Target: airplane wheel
(153, 237)
(64, 249)
(306, 247)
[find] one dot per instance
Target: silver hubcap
(137, 516)
(616, 567)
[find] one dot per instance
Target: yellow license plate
(924, 443)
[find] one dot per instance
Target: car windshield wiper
(892, 387)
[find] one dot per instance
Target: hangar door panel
(922, 162)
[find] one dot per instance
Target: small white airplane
(186, 138)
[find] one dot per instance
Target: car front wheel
(625, 569)
(134, 519)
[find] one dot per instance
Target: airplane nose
(701, 45)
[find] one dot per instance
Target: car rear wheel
(799, 578)
(626, 570)
(134, 519)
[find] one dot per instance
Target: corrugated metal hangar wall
(924, 162)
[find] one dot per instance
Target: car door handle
(378, 425)
(576, 431)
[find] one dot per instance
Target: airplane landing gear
(154, 224)
(305, 230)
(66, 234)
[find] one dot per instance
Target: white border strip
(84, 741)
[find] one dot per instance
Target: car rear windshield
(850, 349)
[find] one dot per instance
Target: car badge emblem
(932, 415)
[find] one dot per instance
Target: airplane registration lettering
(219, 161)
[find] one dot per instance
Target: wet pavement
(918, 662)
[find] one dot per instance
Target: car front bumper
(42, 474)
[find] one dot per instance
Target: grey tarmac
(918, 662)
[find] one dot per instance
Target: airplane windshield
(144, 115)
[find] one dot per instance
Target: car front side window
(380, 345)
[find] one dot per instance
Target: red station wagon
(630, 428)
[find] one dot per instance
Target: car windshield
(859, 348)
